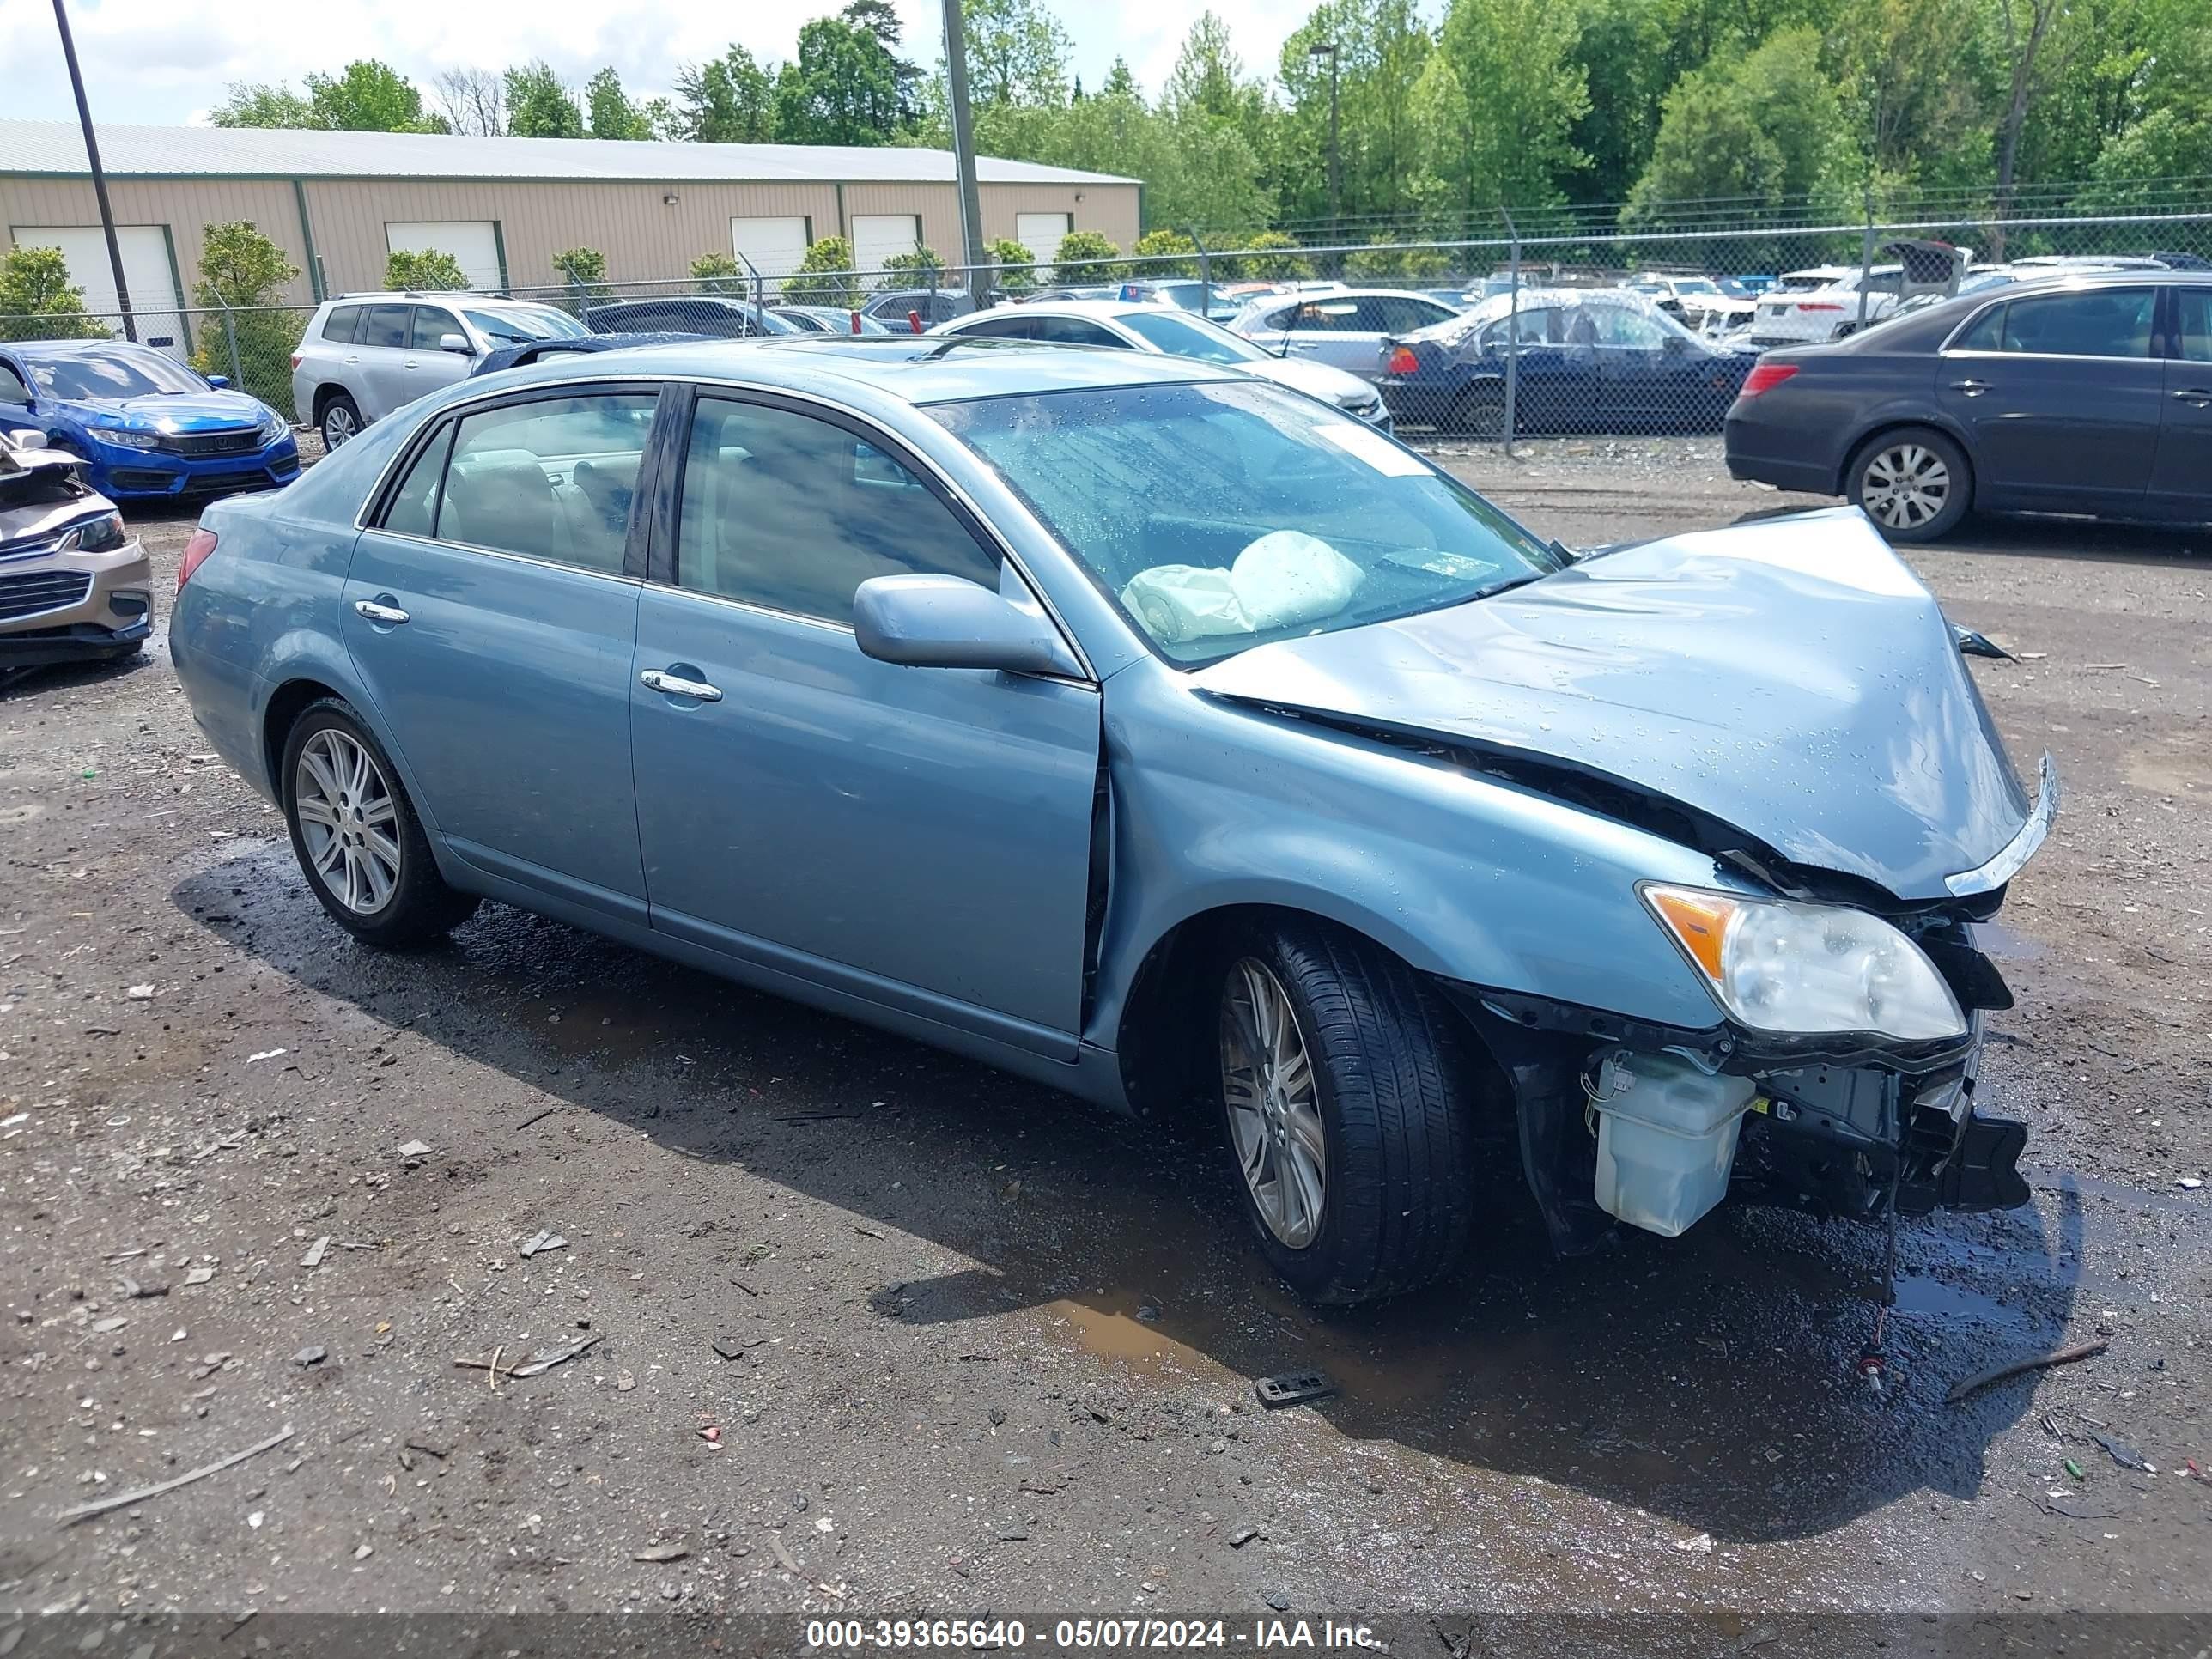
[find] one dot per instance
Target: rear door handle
(354, 358)
(389, 616)
(675, 685)
(2199, 395)
(1971, 388)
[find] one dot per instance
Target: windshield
(1192, 336)
(124, 371)
(525, 324)
(1222, 516)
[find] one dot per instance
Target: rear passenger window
(2196, 342)
(2098, 322)
(385, 325)
(791, 513)
(553, 479)
(1077, 330)
(1985, 333)
(413, 509)
(342, 324)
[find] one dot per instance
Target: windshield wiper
(1505, 586)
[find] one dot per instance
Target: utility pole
(1326, 49)
(99, 175)
(964, 147)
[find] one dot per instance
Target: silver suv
(365, 355)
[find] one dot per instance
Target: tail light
(1818, 304)
(1764, 377)
(295, 360)
(196, 552)
(856, 322)
(1403, 362)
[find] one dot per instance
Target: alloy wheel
(348, 820)
(1904, 485)
(339, 426)
(1267, 1086)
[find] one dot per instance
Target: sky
(167, 61)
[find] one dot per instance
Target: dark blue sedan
(146, 425)
(1590, 360)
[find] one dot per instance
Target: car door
(2061, 396)
(373, 367)
(491, 611)
(2181, 480)
(428, 365)
(918, 837)
(1635, 389)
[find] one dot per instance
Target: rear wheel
(341, 421)
(356, 836)
(1913, 482)
(1343, 1108)
(1480, 414)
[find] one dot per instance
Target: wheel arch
(1934, 420)
(327, 393)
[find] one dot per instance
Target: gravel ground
(875, 1331)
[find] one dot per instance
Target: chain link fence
(1567, 328)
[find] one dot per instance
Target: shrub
(1154, 255)
(1017, 272)
(1271, 257)
(585, 268)
(826, 276)
(427, 270)
(1085, 245)
(719, 273)
(244, 274)
(919, 269)
(1388, 264)
(38, 301)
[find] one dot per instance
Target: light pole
(99, 174)
(963, 147)
(1323, 49)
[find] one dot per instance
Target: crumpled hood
(179, 411)
(1793, 680)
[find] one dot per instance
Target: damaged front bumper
(1620, 1119)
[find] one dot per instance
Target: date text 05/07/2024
(1078, 1635)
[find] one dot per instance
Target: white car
(1168, 329)
(1824, 302)
(1343, 327)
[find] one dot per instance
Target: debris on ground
(123, 1500)
(2076, 1470)
(2126, 1455)
(1292, 1388)
(542, 1241)
(1700, 1544)
(316, 1251)
(544, 1359)
(2066, 1356)
(140, 994)
(1242, 1536)
(662, 1553)
(313, 1354)
(414, 1149)
(266, 1054)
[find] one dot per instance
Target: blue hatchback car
(147, 425)
(1170, 738)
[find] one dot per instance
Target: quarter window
(783, 510)
(12, 387)
(551, 479)
(1985, 333)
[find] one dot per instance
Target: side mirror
(945, 621)
(220, 382)
(456, 344)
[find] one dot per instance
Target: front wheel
(1344, 1107)
(356, 836)
(1914, 484)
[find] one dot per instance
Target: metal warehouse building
(339, 202)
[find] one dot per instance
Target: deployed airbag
(1285, 578)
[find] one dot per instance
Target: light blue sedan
(1167, 737)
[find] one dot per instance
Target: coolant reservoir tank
(1666, 1138)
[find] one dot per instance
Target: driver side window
(12, 387)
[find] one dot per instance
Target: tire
(1880, 482)
(340, 421)
(1480, 414)
(1386, 1124)
(384, 888)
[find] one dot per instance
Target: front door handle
(388, 616)
(675, 685)
(354, 358)
(1971, 388)
(2199, 395)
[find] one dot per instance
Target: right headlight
(1806, 969)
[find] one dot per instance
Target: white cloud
(170, 61)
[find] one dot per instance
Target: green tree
(2135, 169)
(1017, 272)
(1158, 253)
(1085, 245)
(730, 100)
(424, 271)
(1396, 264)
(539, 106)
(826, 276)
(1919, 91)
(1270, 256)
(248, 105)
(1756, 130)
(38, 301)
(1382, 47)
(1016, 53)
(719, 273)
(1499, 101)
(920, 268)
(243, 275)
(611, 112)
(841, 88)
(365, 96)
(585, 270)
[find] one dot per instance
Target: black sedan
(2086, 394)
(715, 315)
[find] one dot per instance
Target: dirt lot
(878, 1332)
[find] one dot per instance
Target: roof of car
(1107, 309)
(445, 295)
(913, 369)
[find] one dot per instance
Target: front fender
(1464, 876)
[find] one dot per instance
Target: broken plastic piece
(1292, 1388)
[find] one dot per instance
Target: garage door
(1040, 233)
(474, 244)
(776, 247)
(880, 236)
(146, 271)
